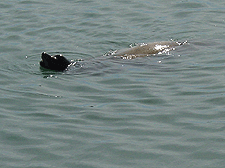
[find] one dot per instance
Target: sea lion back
(146, 49)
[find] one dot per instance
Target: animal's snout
(45, 56)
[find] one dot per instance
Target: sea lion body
(146, 49)
(60, 63)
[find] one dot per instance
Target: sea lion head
(56, 62)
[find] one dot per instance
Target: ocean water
(158, 111)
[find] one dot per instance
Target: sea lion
(60, 63)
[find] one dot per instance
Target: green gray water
(165, 111)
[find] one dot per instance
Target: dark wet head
(56, 62)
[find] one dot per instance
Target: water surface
(161, 111)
